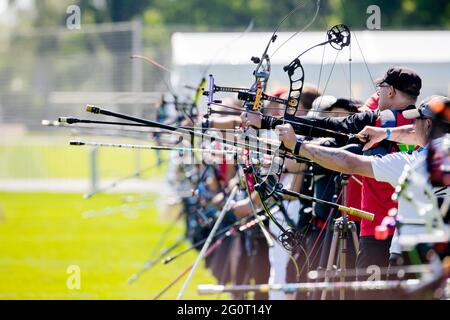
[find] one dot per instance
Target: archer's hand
(287, 135)
(187, 123)
(371, 136)
(241, 208)
(251, 119)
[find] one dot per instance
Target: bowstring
(301, 30)
(372, 79)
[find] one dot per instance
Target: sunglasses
(382, 85)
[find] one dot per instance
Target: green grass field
(32, 160)
(41, 235)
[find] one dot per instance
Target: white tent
(228, 55)
(376, 46)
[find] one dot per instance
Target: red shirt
(354, 195)
(376, 199)
(376, 196)
(371, 103)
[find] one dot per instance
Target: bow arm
(338, 159)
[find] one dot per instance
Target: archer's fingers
(244, 117)
(368, 145)
(362, 137)
(283, 127)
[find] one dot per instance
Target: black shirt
(320, 126)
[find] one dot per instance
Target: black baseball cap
(350, 105)
(403, 79)
(426, 109)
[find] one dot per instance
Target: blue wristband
(388, 134)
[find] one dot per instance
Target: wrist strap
(388, 134)
(205, 123)
(297, 147)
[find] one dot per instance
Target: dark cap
(427, 108)
(403, 79)
(350, 105)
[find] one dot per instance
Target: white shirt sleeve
(390, 167)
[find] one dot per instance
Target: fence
(50, 72)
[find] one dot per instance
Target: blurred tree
(125, 10)
(162, 17)
(235, 14)
(395, 14)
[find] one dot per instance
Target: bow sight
(338, 37)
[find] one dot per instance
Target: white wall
(428, 52)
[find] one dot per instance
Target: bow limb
(253, 208)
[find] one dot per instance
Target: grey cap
(425, 109)
(320, 104)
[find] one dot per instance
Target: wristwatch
(297, 147)
(206, 123)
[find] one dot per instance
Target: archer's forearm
(404, 134)
(337, 159)
(333, 159)
(227, 122)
